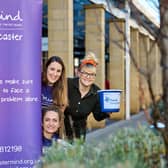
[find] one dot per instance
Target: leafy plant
(129, 148)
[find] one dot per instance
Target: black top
(79, 108)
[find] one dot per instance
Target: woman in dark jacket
(83, 99)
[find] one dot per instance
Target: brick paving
(113, 126)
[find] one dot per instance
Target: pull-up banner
(20, 80)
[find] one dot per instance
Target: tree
(163, 45)
(161, 39)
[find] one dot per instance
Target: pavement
(113, 126)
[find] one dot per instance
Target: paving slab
(111, 129)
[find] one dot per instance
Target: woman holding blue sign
(54, 85)
(83, 99)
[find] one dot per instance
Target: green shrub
(129, 148)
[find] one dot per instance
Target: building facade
(120, 34)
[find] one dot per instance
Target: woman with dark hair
(51, 123)
(54, 85)
(51, 117)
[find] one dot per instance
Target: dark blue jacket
(48, 142)
(46, 95)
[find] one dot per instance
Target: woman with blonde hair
(83, 99)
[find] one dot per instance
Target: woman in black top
(83, 99)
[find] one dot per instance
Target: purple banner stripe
(20, 82)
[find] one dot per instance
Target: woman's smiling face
(87, 75)
(51, 122)
(54, 71)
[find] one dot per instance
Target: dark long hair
(60, 87)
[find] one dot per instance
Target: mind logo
(9, 17)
